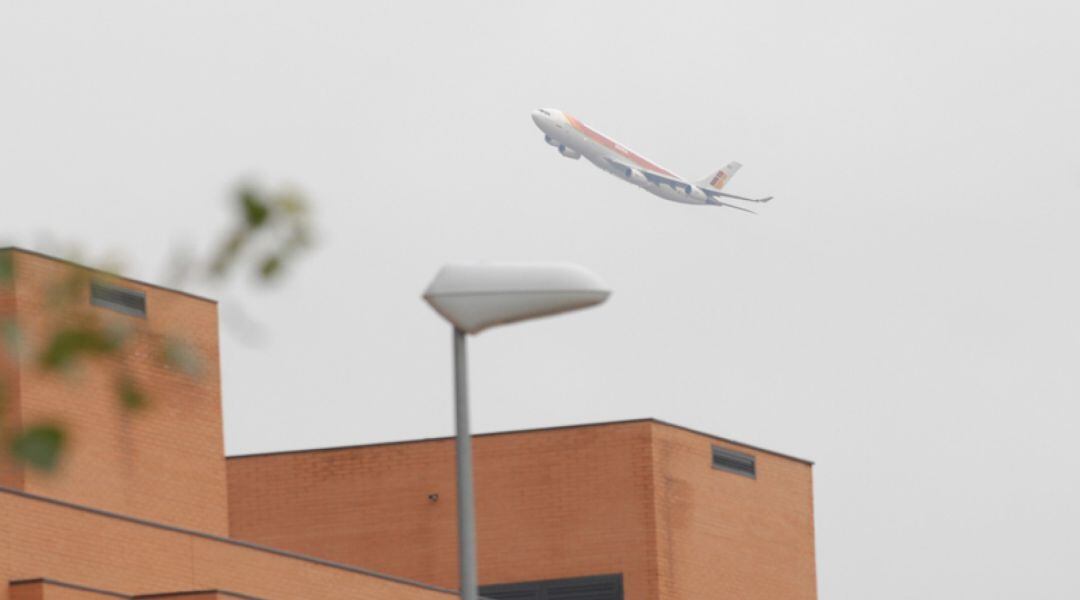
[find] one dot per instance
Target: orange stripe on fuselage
(610, 144)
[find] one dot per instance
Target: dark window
(129, 302)
(599, 587)
(734, 462)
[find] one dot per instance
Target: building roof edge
(530, 430)
(225, 540)
(96, 270)
(69, 585)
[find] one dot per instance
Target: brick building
(145, 504)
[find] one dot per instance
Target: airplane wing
(651, 176)
(659, 179)
(716, 202)
(713, 193)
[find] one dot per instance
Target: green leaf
(68, 290)
(131, 395)
(10, 338)
(7, 266)
(292, 204)
(68, 344)
(270, 267)
(255, 210)
(179, 355)
(228, 252)
(39, 446)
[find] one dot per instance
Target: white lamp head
(475, 296)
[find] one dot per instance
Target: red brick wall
(45, 540)
(163, 463)
(639, 498)
(10, 476)
(550, 504)
(723, 535)
(46, 590)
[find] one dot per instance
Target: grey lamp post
(474, 297)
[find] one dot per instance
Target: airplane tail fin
(719, 179)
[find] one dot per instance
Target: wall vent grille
(734, 462)
(122, 300)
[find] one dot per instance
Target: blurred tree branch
(271, 230)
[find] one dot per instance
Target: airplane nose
(537, 117)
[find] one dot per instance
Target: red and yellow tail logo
(724, 175)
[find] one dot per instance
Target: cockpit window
(545, 112)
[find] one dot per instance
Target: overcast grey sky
(904, 313)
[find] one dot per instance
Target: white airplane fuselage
(574, 139)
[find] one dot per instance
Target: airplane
(575, 139)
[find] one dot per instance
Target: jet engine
(635, 176)
(552, 141)
(569, 152)
(697, 194)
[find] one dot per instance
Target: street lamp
(474, 297)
